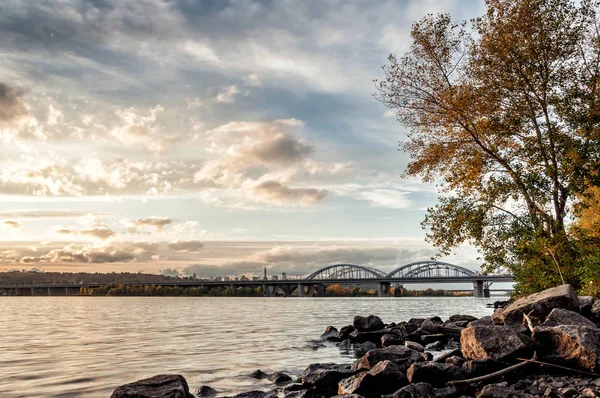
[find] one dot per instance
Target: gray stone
(361, 349)
(538, 304)
(280, 378)
(390, 339)
(170, 386)
(368, 324)
(206, 391)
(453, 329)
(331, 334)
(457, 318)
(494, 342)
(433, 324)
(500, 390)
(417, 390)
(572, 345)
(452, 353)
(402, 356)
(435, 346)
(432, 338)
(414, 346)
(485, 321)
(324, 377)
(436, 374)
(560, 316)
(345, 345)
(258, 374)
(383, 378)
(585, 304)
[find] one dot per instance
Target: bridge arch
(429, 268)
(346, 271)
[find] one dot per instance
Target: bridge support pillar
(383, 289)
(478, 289)
(287, 289)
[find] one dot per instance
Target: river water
(87, 346)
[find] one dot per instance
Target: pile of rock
(523, 350)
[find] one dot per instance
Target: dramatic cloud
(13, 106)
(137, 129)
(12, 224)
(275, 192)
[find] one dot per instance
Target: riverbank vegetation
(503, 113)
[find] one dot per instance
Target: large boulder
(560, 316)
(390, 339)
(402, 356)
(570, 345)
(494, 342)
(432, 325)
(436, 374)
(324, 377)
(368, 324)
(539, 305)
(417, 390)
(206, 391)
(414, 346)
(485, 321)
(168, 386)
(453, 329)
(383, 378)
(345, 332)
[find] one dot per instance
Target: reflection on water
(86, 346)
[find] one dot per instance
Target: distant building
(244, 278)
(283, 276)
(255, 278)
(274, 278)
(226, 278)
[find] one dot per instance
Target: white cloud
(227, 94)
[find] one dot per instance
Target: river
(87, 346)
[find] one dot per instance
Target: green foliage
(153, 290)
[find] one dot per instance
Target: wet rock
(345, 345)
(383, 378)
(303, 394)
(432, 338)
(414, 346)
(437, 374)
(585, 305)
(452, 353)
(331, 334)
(391, 339)
(485, 321)
(455, 360)
(324, 377)
(457, 318)
(257, 394)
(368, 324)
(372, 336)
(402, 356)
(417, 390)
(415, 322)
(453, 329)
(435, 346)
(573, 345)
(447, 392)
(414, 336)
(172, 386)
(293, 387)
(538, 304)
(280, 378)
(433, 324)
(344, 332)
(206, 391)
(361, 349)
(258, 374)
(495, 342)
(481, 367)
(559, 316)
(427, 356)
(500, 390)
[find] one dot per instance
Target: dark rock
(427, 356)
(569, 344)
(331, 334)
(568, 392)
(280, 378)
(447, 392)
(345, 345)
(433, 324)
(415, 322)
(467, 318)
(361, 349)
(258, 374)
(368, 324)
(345, 332)
(455, 360)
(303, 394)
(293, 387)
(171, 386)
(324, 377)
(453, 329)
(452, 353)
(595, 312)
(500, 390)
(432, 338)
(348, 396)
(538, 304)
(485, 321)
(206, 391)
(495, 342)
(414, 346)
(437, 374)
(559, 316)
(482, 367)
(585, 305)
(417, 390)
(402, 356)
(383, 378)
(414, 336)
(372, 336)
(435, 346)
(391, 339)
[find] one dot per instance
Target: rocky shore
(543, 345)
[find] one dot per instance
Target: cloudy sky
(191, 135)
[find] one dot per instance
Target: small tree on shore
(504, 114)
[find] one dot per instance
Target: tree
(503, 113)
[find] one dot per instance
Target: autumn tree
(502, 113)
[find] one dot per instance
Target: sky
(207, 137)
